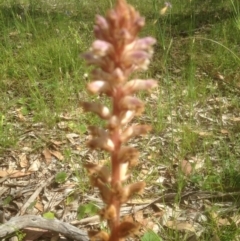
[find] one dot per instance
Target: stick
(34, 196)
(18, 223)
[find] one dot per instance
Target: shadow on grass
(186, 24)
(9, 14)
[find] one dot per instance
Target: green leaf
(61, 177)
(20, 235)
(48, 215)
(81, 211)
(7, 200)
(70, 199)
(82, 128)
(90, 209)
(150, 236)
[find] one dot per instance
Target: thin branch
(18, 223)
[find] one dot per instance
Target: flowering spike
(116, 53)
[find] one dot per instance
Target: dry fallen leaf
(34, 166)
(14, 33)
(138, 216)
(204, 133)
(62, 125)
(146, 223)
(219, 220)
(186, 167)
(223, 222)
(236, 119)
(47, 155)
(57, 143)
(39, 206)
(72, 135)
(224, 131)
(181, 226)
(23, 161)
(58, 155)
(20, 115)
(13, 173)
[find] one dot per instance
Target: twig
(18, 223)
(34, 196)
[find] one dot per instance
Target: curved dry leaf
(23, 161)
(58, 155)
(34, 166)
(186, 167)
(39, 206)
(13, 173)
(181, 226)
(47, 155)
(224, 131)
(236, 119)
(20, 115)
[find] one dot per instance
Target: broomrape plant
(116, 53)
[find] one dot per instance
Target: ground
(190, 160)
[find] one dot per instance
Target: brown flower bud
(96, 131)
(95, 235)
(137, 85)
(101, 48)
(141, 44)
(96, 108)
(103, 143)
(128, 154)
(132, 103)
(105, 191)
(98, 171)
(113, 122)
(99, 87)
(127, 229)
(133, 131)
(123, 171)
(124, 193)
(126, 116)
(108, 213)
(138, 58)
(118, 76)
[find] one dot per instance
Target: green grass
(194, 112)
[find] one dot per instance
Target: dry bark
(18, 223)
